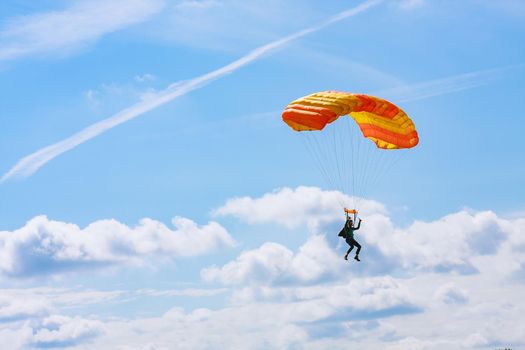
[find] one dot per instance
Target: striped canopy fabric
(387, 125)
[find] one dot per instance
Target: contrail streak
(31, 163)
(447, 85)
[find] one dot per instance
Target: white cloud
(93, 98)
(13, 308)
(274, 306)
(291, 208)
(16, 338)
(42, 300)
(268, 262)
(46, 246)
(410, 343)
(456, 242)
(145, 78)
(274, 263)
(474, 340)
(451, 294)
(266, 324)
(309, 297)
(442, 245)
(361, 297)
(63, 331)
(83, 23)
(104, 96)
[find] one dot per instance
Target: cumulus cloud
(306, 297)
(83, 23)
(63, 331)
(274, 263)
(273, 306)
(45, 246)
(291, 208)
(446, 244)
(450, 243)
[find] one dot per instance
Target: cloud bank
(44, 246)
(444, 245)
(461, 274)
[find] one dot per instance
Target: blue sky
(203, 209)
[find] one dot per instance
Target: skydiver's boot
(357, 258)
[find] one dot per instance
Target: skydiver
(347, 232)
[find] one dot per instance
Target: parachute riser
(351, 211)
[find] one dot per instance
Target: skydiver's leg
(358, 248)
(350, 243)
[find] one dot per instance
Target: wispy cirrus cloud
(83, 23)
(411, 4)
(31, 163)
(447, 85)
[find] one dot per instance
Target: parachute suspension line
(356, 140)
(368, 158)
(347, 150)
(370, 165)
(360, 166)
(317, 150)
(367, 163)
(399, 154)
(323, 143)
(352, 171)
(339, 154)
(342, 144)
(352, 137)
(378, 157)
(336, 155)
(367, 154)
(315, 153)
(352, 140)
(383, 157)
(386, 165)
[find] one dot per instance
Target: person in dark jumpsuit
(347, 232)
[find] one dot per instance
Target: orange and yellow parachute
(348, 163)
(384, 123)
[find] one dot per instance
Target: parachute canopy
(384, 123)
